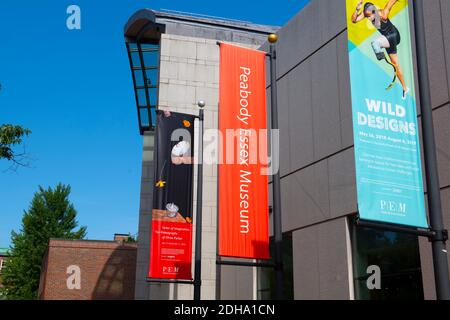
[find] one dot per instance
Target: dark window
(397, 255)
(145, 65)
(153, 97)
(145, 118)
(142, 98)
(266, 276)
(149, 46)
(151, 58)
(139, 78)
(135, 58)
(152, 77)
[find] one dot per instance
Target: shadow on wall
(117, 279)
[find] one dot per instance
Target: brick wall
(2, 264)
(106, 270)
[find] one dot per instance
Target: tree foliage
(50, 215)
(131, 239)
(10, 137)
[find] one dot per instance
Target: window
(144, 58)
(1, 265)
(397, 255)
(266, 276)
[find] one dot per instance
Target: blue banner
(386, 132)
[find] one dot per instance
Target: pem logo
(393, 207)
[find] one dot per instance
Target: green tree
(10, 137)
(50, 215)
(131, 239)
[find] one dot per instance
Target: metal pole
(277, 227)
(396, 228)
(434, 196)
(198, 223)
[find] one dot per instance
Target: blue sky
(73, 90)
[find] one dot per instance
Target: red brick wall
(107, 270)
(4, 261)
(121, 237)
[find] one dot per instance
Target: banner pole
(432, 175)
(198, 222)
(277, 226)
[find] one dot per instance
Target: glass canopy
(144, 63)
(142, 38)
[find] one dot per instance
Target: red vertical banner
(243, 182)
(171, 237)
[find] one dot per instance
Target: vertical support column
(277, 226)
(198, 226)
(429, 145)
(144, 290)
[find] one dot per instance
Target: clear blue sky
(73, 89)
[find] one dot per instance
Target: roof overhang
(142, 27)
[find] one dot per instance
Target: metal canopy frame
(432, 235)
(220, 261)
(139, 34)
(167, 281)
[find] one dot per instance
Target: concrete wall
(438, 48)
(322, 262)
(316, 156)
(317, 163)
(208, 28)
(189, 72)
(142, 291)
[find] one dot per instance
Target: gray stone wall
(322, 266)
(316, 156)
(438, 48)
(145, 214)
(317, 162)
(189, 72)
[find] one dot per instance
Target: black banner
(171, 243)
